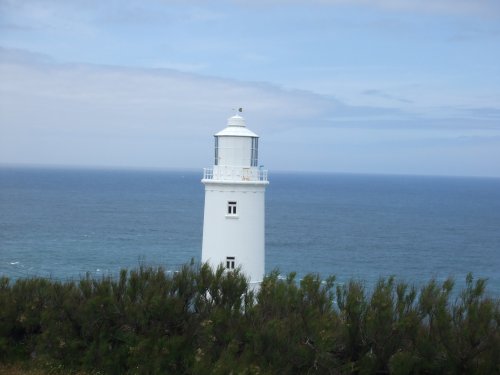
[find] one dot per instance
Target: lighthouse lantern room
(234, 217)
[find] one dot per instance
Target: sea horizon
(117, 168)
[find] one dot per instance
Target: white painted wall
(241, 236)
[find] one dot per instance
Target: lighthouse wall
(239, 235)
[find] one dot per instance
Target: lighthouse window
(254, 161)
(231, 208)
(216, 162)
(230, 263)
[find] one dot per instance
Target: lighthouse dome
(236, 120)
(236, 127)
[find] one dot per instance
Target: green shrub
(204, 321)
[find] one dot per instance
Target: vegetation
(200, 321)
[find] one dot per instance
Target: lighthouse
(234, 216)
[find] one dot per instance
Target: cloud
(87, 17)
(471, 34)
(464, 7)
(51, 111)
(83, 114)
(483, 113)
(20, 56)
(482, 7)
(169, 99)
(384, 95)
(84, 16)
(70, 17)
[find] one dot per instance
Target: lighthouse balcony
(221, 173)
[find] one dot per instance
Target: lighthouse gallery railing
(221, 173)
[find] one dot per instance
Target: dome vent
(236, 120)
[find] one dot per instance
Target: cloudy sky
(360, 86)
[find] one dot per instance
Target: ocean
(64, 223)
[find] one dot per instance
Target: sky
(359, 86)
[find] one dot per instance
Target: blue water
(63, 223)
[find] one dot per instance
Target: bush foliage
(204, 321)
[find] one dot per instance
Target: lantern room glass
(254, 159)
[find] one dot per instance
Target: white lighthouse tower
(234, 219)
